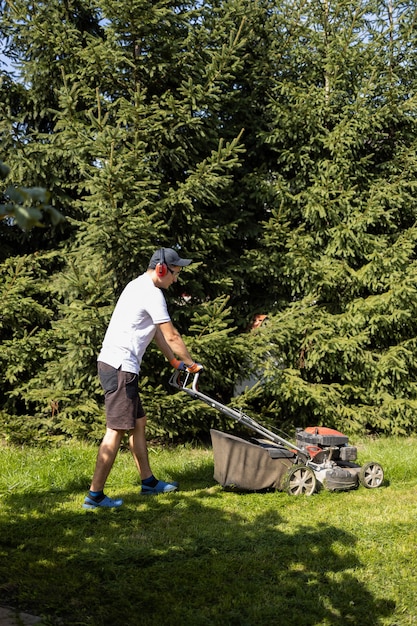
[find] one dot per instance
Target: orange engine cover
(323, 430)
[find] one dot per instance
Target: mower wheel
(371, 475)
(300, 480)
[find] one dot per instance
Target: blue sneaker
(107, 502)
(160, 487)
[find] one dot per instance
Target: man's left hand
(178, 365)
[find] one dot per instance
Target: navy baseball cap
(169, 257)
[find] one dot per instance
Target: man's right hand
(194, 368)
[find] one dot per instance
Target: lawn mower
(320, 458)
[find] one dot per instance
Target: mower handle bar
(193, 391)
(179, 383)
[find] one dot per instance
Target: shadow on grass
(189, 559)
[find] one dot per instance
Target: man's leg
(139, 450)
(105, 458)
(106, 455)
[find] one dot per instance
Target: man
(140, 315)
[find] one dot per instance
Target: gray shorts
(121, 397)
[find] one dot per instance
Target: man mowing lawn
(140, 315)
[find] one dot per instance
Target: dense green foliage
(273, 143)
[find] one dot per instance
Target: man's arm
(171, 344)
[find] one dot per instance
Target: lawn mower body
(320, 457)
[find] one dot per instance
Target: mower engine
(325, 444)
(331, 458)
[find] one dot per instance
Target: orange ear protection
(161, 268)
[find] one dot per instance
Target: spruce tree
(150, 164)
(342, 228)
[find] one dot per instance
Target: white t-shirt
(132, 326)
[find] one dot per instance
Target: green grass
(205, 556)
